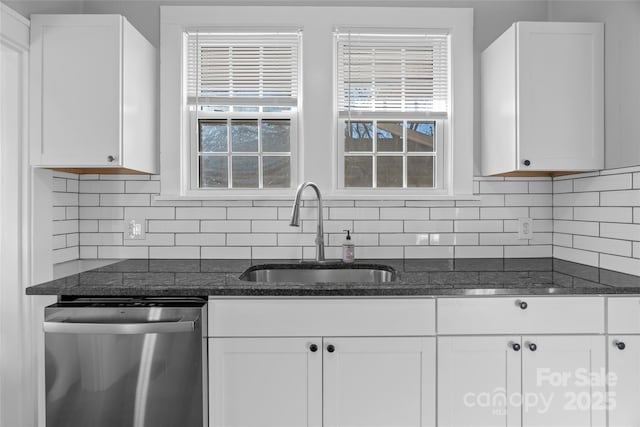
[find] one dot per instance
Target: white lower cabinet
(375, 381)
(530, 381)
(280, 382)
(624, 385)
(265, 382)
(476, 377)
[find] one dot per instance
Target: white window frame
(292, 116)
(439, 155)
(317, 125)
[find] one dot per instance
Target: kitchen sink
(319, 273)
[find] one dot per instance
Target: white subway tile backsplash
(252, 213)
(565, 186)
(483, 200)
(455, 213)
(504, 213)
(226, 252)
(488, 226)
(377, 226)
(115, 252)
(101, 187)
(101, 239)
(538, 251)
(88, 252)
(479, 251)
(576, 199)
(297, 239)
(281, 252)
(576, 227)
(59, 241)
(154, 239)
(252, 239)
(576, 255)
(65, 254)
(201, 213)
(541, 186)
(503, 187)
(88, 226)
(579, 217)
(453, 239)
(602, 183)
(561, 239)
(359, 239)
(602, 214)
(88, 199)
(177, 226)
(353, 213)
(64, 227)
(415, 252)
(404, 213)
(598, 244)
(199, 239)
(125, 199)
(150, 187)
(159, 212)
(428, 226)
(620, 198)
(87, 212)
(620, 231)
(225, 226)
(622, 264)
(528, 200)
(404, 239)
(177, 252)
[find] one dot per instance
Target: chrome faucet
(295, 217)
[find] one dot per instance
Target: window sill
(289, 195)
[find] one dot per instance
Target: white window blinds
(392, 73)
(242, 68)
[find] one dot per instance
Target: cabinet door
(560, 96)
(255, 382)
(624, 386)
(563, 381)
(478, 381)
(379, 382)
(76, 83)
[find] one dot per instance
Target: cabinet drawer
(624, 315)
(540, 315)
(321, 317)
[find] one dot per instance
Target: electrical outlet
(525, 228)
(134, 229)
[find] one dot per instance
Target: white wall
(622, 68)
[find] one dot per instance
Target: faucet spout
(295, 217)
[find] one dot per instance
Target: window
(392, 102)
(396, 124)
(242, 90)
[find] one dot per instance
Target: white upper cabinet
(93, 95)
(543, 99)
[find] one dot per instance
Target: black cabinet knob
(620, 345)
(527, 162)
(533, 347)
(522, 304)
(331, 348)
(110, 158)
(515, 346)
(313, 348)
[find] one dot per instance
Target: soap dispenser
(347, 248)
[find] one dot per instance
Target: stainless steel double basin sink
(319, 273)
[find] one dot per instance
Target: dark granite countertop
(428, 277)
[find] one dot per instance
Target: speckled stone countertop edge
(416, 278)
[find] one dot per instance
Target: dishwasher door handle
(119, 328)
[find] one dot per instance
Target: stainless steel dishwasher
(127, 362)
